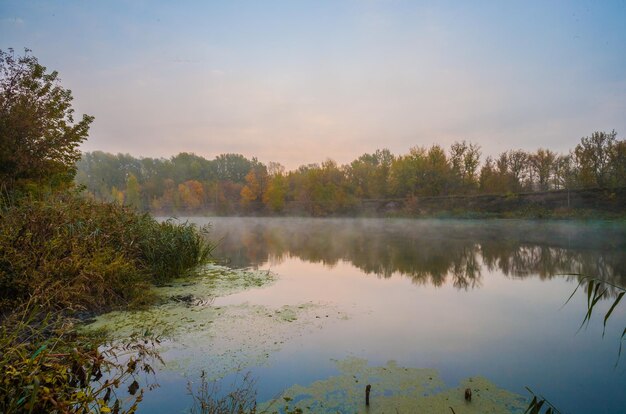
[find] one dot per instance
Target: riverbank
(593, 203)
(64, 257)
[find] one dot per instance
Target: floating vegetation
(196, 334)
(395, 389)
(184, 303)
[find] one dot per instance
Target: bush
(48, 368)
(67, 252)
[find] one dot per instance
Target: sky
(298, 82)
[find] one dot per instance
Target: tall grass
(47, 367)
(67, 252)
(61, 254)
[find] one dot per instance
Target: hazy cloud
(298, 82)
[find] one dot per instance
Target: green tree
(233, 167)
(39, 138)
(133, 192)
(405, 171)
(368, 175)
(437, 173)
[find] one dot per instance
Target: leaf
(575, 290)
(608, 314)
(592, 299)
(589, 290)
(619, 352)
(38, 351)
(132, 388)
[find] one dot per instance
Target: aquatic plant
(598, 289)
(540, 404)
(62, 257)
(68, 252)
(208, 399)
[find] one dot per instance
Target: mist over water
(429, 251)
(466, 298)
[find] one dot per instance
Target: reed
(68, 252)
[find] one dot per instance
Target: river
(456, 300)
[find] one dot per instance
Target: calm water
(467, 298)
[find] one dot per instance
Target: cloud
(11, 22)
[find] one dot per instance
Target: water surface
(464, 298)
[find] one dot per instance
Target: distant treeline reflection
(431, 252)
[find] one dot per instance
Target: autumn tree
(256, 182)
(495, 176)
(464, 162)
(437, 176)
(618, 164)
(276, 193)
(422, 172)
(518, 169)
(564, 173)
(368, 175)
(169, 200)
(542, 163)
(404, 173)
(593, 156)
(191, 195)
(39, 137)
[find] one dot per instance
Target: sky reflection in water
(466, 298)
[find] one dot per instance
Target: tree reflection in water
(432, 251)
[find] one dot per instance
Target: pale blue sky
(301, 81)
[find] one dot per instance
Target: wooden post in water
(367, 394)
(468, 394)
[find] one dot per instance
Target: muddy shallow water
(421, 310)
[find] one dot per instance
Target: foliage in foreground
(538, 404)
(597, 290)
(207, 399)
(48, 367)
(69, 252)
(61, 253)
(65, 254)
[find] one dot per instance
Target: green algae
(212, 281)
(242, 336)
(185, 303)
(396, 389)
(196, 334)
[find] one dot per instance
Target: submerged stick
(468, 395)
(368, 388)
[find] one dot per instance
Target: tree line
(233, 184)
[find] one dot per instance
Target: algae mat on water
(225, 339)
(394, 390)
(198, 336)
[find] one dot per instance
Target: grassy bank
(67, 252)
(63, 257)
